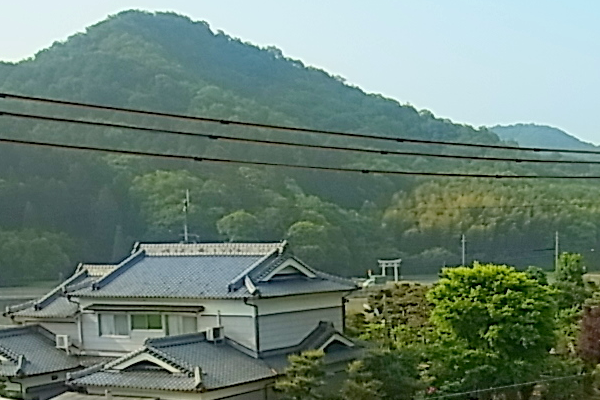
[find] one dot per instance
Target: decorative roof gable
(185, 363)
(290, 266)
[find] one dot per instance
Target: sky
(478, 62)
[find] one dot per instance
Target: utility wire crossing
(516, 385)
(287, 128)
(214, 136)
(277, 164)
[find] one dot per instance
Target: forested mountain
(532, 135)
(60, 207)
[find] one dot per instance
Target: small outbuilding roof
(31, 350)
(178, 363)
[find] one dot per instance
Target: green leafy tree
(360, 384)
(303, 377)
(538, 274)
(497, 327)
(32, 255)
(572, 291)
(239, 226)
(397, 371)
(398, 315)
(570, 268)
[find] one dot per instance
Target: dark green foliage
(303, 377)
(538, 274)
(398, 372)
(333, 221)
(402, 304)
(564, 379)
(572, 291)
(30, 255)
(396, 316)
(570, 268)
(360, 384)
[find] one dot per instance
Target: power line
(283, 143)
(491, 389)
(288, 128)
(286, 165)
(420, 207)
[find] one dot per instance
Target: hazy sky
(480, 62)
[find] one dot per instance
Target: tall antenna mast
(186, 206)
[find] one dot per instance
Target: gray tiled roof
(204, 275)
(86, 396)
(55, 303)
(221, 366)
(31, 350)
(215, 249)
(156, 380)
(174, 276)
(60, 307)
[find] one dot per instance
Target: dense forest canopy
(91, 207)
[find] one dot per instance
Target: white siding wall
(288, 329)
(236, 317)
(63, 328)
(93, 342)
(298, 303)
(241, 330)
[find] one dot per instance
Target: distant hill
(59, 207)
(532, 135)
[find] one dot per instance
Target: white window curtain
(179, 325)
(114, 324)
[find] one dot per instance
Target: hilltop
(532, 135)
(80, 206)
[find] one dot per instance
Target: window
(146, 321)
(189, 324)
(113, 324)
(179, 325)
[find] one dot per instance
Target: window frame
(146, 325)
(114, 323)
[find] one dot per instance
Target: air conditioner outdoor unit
(63, 342)
(215, 334)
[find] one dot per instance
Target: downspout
(256, 325)
(344, 301)
(79, 322)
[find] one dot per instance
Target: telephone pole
(186, 206)
(556, 251)
(463, 240)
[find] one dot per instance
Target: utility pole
(186, 206)
(463, 240)
(556, 251)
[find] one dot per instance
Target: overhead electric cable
(286, 165)
(287, 128)
(491, 389)
(425, 207)
(283, 143)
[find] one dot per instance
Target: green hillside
(60, 207)
(532, 135)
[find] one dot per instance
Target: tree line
(93, 207)
(485, 332)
